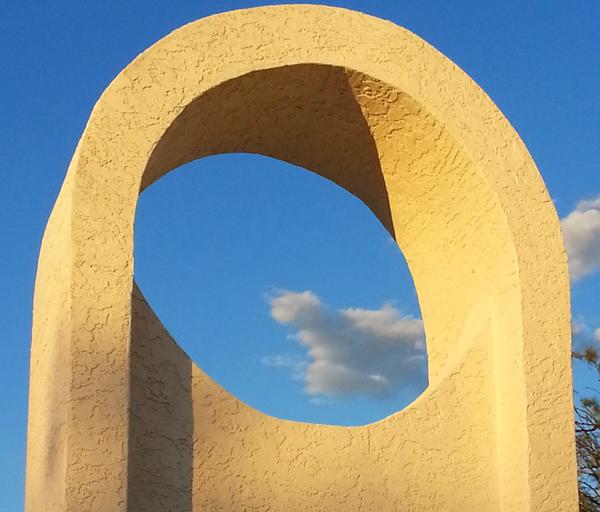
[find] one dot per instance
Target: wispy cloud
(581, 229)
(351, 351)
(297, 367)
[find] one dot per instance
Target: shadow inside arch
(307, 115)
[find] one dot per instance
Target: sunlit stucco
(121, 419)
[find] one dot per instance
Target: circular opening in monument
(284, 288)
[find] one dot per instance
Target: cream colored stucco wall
(122, 420)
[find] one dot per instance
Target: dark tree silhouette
(587, 432)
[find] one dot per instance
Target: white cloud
(581, 229)
(386, 323)
(289, 306)
(583, 335)
(351, 351)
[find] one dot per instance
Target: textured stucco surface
(121, 419)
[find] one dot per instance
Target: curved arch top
(121, 419)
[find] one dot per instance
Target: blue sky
(289, 231)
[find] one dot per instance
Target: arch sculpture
(121, 419)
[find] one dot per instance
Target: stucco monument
(122, 420)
